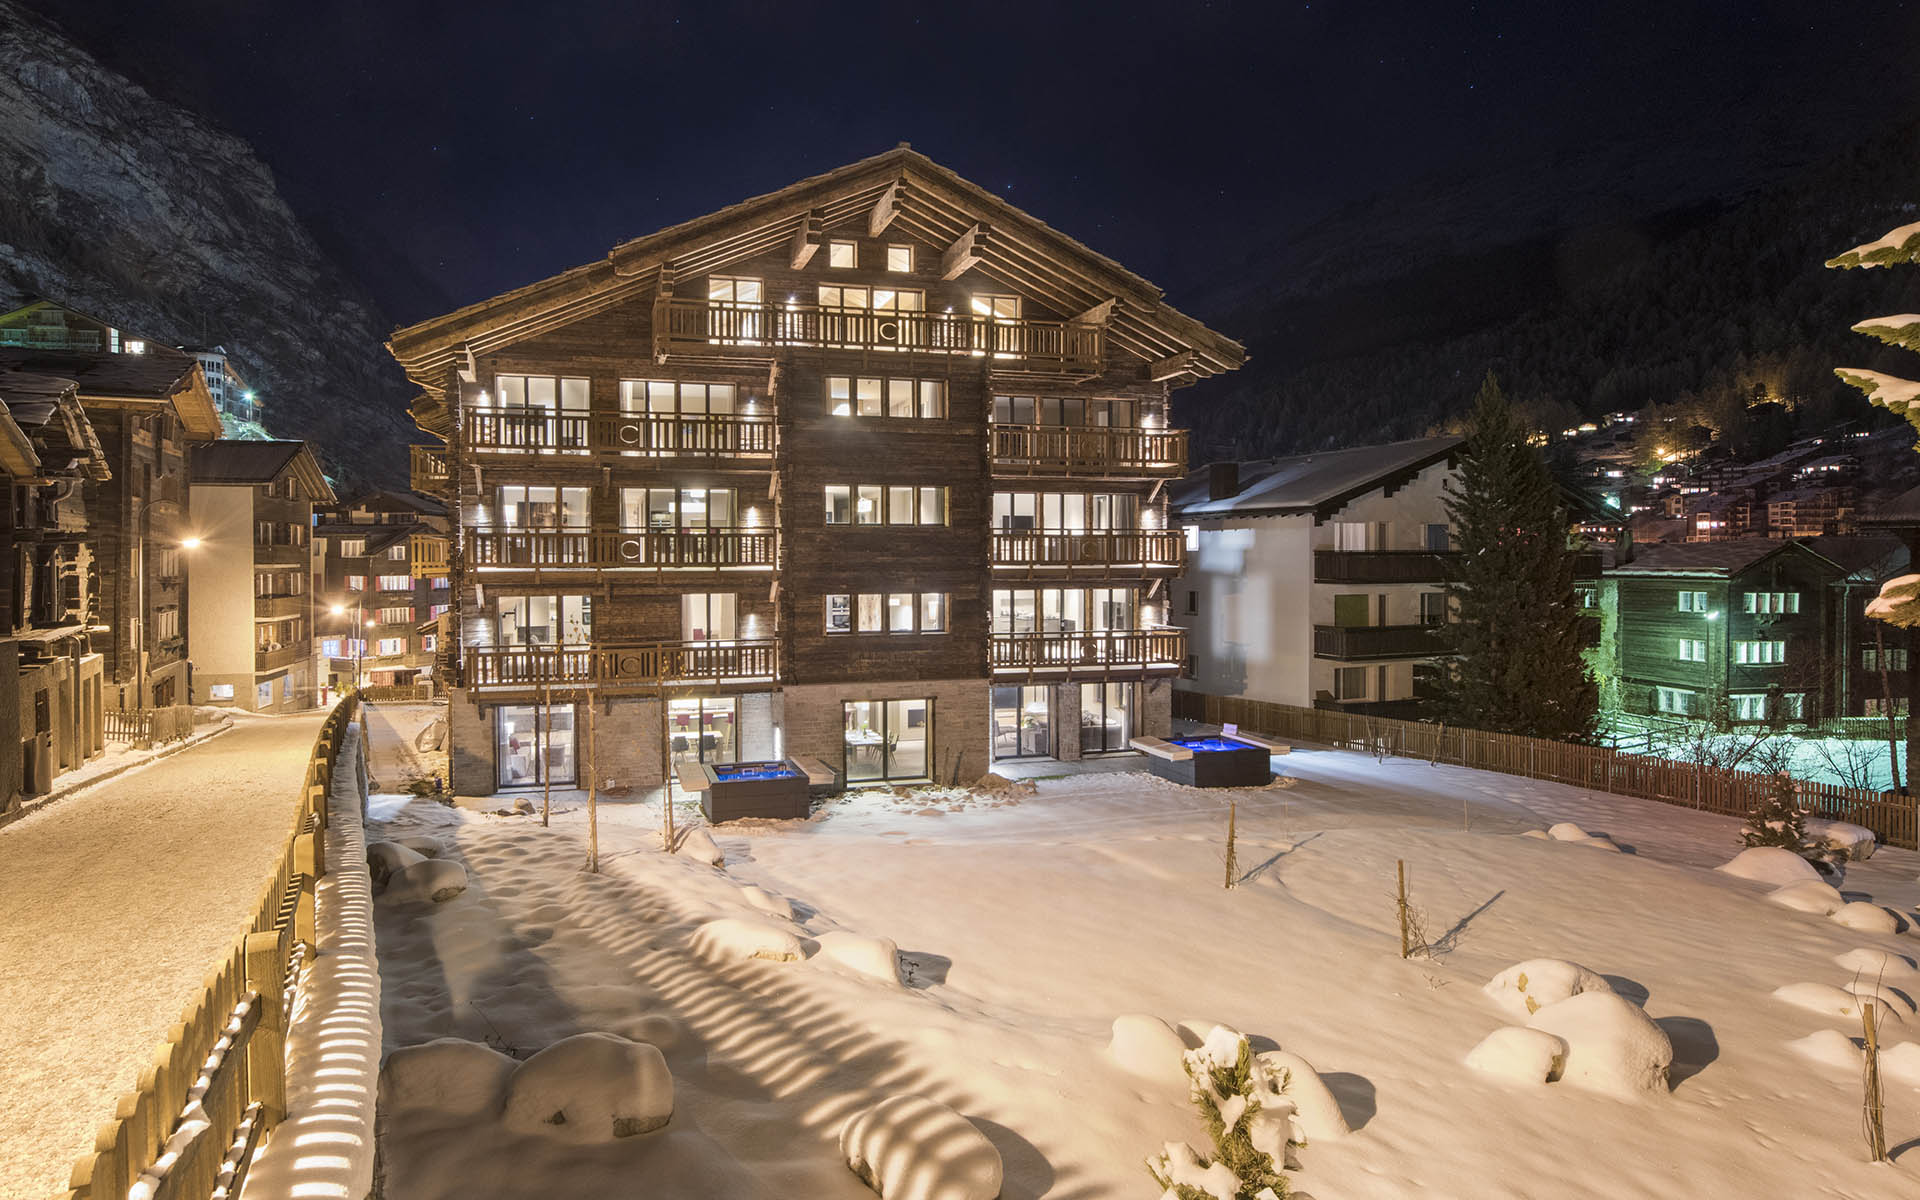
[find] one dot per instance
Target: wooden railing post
(266, 974)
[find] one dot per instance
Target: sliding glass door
(888, 739)
(533, 745)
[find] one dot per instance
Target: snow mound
(875, 957)
(426, 846)
(590, 1088)
(1612, 1046)
(1867, 918)
(1829, 1047)
(1316, 1113)
(1180, 1166)
(448, 1077)
(1902, 1062)
(698, 844)
(735, 937)
(1525, 988)
(1889, 999)
(1541, 834)
(1567, 831)
(766, 902)
(1770, 864)
(1520, 1054)
(1600, 841)
(1147, 1046)
(1830, 1001)
(384, 858)
(1809, 896)
(1855, 843)
(1875, 964)
(432, 736)
(912, 1148)
(434, 879)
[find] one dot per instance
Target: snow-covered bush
(1233, 1090)
(447, 1077)
(1830, 1001)
(736, 937)
(1520, 1054)
(590, 1088)
(1872, 963)
(1770, 864)
(698, 844)
(875, 957)
(384, 858)
(1867, 918)
(1843, 840)
(1145, 1045)
(912, 1148)
(1315, 1112)
(1776, 819)
(1525, 988)
(1809, 896)
(767, 902)
(1612, 1046)
(434, 879)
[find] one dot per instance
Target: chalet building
(49, 325)
(231, 395)
(381, 561)
(1317, 579)
(54, 712)
(252, 622)
(1860, 688)
(147, 406)
(870, 470)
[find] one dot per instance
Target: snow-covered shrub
(1902, 1062)
(1770, 864)
(735, 937)
(1612, 1046)
(1809, 896)
(1147, 1046)
(1829, 1047)
(1234, 1093)
(590, 1088)
(1525, 988)
(1520, 1054)
(1776, 819)
(384, 858)
(1848, 842)
(912, 1148)
(448, 1077)
(434, 879)
(1831, 1001)
(1567, 831)
(1867, 918)
(875, 957)
(698, 844)
(767, 902)
(1315, 1110)
(1872, 963)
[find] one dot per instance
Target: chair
(1005, 739)
(679, 744)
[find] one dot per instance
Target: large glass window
(707, 617)
(533, 745)
(1062, 610)
(1096, 411)
(541, 507)
(879, 504)
(734, 315)
(1022, 722)
(888, 739)
(535, 411)
(1106, 717)
(544, 620)
(702, 730)
(672, 398)
(1071, 512)
(686, 509)
(880, 396)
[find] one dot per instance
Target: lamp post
(143, 520)
(359, 626)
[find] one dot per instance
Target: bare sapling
(1232, 865)
(1406, 945)
(593, 803)
(1873, 1113)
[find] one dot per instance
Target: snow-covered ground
(1026, 924)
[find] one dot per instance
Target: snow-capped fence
(144, 726)
(218, 1082)
(1894, 819)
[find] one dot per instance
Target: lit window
(840, 613)
(1693, 650)
(1760, 654)
(899, 258)
(933, 612)
(900, 612)
(1694, 602)
(870, 612)
(842, 254)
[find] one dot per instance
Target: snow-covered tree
(1519, 665)
(1247, 1119)
(1777, 819)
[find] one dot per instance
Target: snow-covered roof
(1310, 482)
(1726, 558)
(1897, 246)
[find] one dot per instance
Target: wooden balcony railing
(1146, 549)
(281, 656)
(1160, 647)
(588, 549)
(1381, 566)
(427, 555)
(619, 666)
(427, 472)
(1352, 643)
(1118, 453)
(646, 435)
(709, 327)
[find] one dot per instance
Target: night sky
(486, 144)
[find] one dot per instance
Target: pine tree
(1776, 820)
(1518, 666)
(1228, 1084)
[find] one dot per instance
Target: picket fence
(1894, 819)
(224, 1063)
(143, 726)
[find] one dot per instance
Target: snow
(1830, 1048)
(1830, 1001)
(384, 858)
(1144, 1045)
(698, 845)
(445, 1078)
(1896, 246)
(1612, 1046)
(912, 1148)
(1525, 988)
(876, 958)
(1567, 831)
(1316, 1112)
(1809, 896)
(1867, 918)
(767, 902)
(1776, 865)
(427, 881)
(591, 1087)
(738, 937)
(1870, 963)
(1519, 1054)
(1180, 1165)
(1854, 842)
(1895, 603)
(1901, 1063)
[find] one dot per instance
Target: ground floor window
(1673, 700)
(534, 744)
(888, 739)
(1022, 722)
(1106, 716)
(703, 730)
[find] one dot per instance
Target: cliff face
(135, 210)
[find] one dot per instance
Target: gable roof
(46, 411)
(160, 374)
(1318, 483)
(929, 200)
(1723, 559)
(250, 462)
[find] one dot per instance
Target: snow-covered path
(113, 907)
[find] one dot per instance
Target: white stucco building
(1316, 579)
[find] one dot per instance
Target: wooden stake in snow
(544, 718)
(1874, 1114)
(1406, 946)
(1232, 866)
(593, 805)
(666, 782)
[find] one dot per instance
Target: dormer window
(842, 255)
(900, 258)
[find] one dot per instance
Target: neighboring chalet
(1318, 579)
(870, 471)
(53, 713)
(252, 622)
(147, 406)
(381, 560)
(231, 395)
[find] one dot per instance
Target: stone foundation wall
(813, 723)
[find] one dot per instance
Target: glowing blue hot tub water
(733, 771)
(755, 789)
(1208, 745)
(1217, 761)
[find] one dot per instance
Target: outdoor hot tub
(1215, 760)
(754, 789)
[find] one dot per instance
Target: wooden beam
(1172, 366)
(1097, 315)
(806, 240)
(964, 254)
(884, 210)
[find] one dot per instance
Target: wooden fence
(1894, 819)
(218, 1082)
(397, 692)
(144, 726)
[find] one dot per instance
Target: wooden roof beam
(964, 254)
(1097, 315)
(806, 240)
(884, 210)
(1173, 366)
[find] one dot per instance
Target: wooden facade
(768, 462)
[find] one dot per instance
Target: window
(840, 613)
(877, 504)
(537, 508)
(733, 310)
(899, 258)
(395, 616)
(1877, 707)
(1586, 595)
(1193, 538)
(842, 255)
(1098, 412)
(871, 396)
(393, 646)
(1673, 700)
(1770, 602)
(933, 612)
(429, 642)
(708, 617)
(1693, 602)
(900, 612)
(1439, 539)
(685, 509)
(888, 739)
(1193, 603)
(398, 552)
(1350, 683)
(870, 608)
(1062, 610)
(839, 505)
(1433, 608)
(330, 647)
(891, 612)
(544, 620)
(1748, 706)
(1693, 650)
(733, 289)
(540, 410)
(396, 583)
(671, 398)
(1000, 308)
(1896, 660)
(1759, 654)
(352, 547)
(439, 583)
(1065, 512)
(356, 583)
(1793, 706)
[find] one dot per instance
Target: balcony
(1105, 551)
(592, 549)
(1382, 566)
(1091, 653)
(427, 472)
(619, 667)
(1362, 643)
(280, 656)
(1090, 450)
(703, 328)
(427, 555)
(749, 436)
